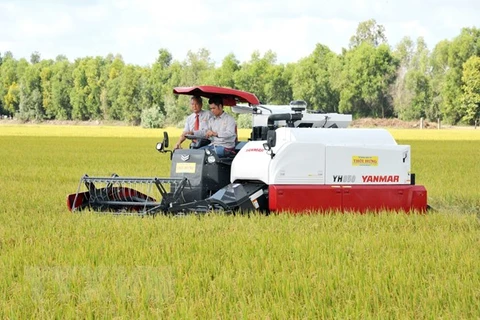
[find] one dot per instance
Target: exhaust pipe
(289, 117)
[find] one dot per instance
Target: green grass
(54, 264)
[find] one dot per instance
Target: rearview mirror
(271, 142)
(165, 139)
(161, 146)
(271, 138)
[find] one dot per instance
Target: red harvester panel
(300, 198)
(360, 198)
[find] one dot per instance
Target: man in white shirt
(196, 122)
(221, 129)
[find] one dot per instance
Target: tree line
(367, 79)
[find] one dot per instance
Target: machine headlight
(211, 159)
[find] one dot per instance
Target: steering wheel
(193, 137)
(197, 142)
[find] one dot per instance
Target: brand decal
(365, 161)
(254, 150)
(344, 178)
(185, 157)
(380, 178)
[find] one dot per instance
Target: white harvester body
(325, 156)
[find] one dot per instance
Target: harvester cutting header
(294, 161)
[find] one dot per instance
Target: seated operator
(197, 121)
(221, 129)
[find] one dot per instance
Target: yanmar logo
(380, 178)
(254, 150)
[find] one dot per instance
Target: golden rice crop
(55, 264)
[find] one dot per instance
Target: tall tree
(31, 106)
(128, 98)
(46, 75)
(176, 107)
(311, 80)
(61, 83)
(254, 74)
(159, 78)
(79, 92)
(8, 76)
(439, 68)
(366, 78)
(109, 97)
(145, 97)
(402, 97)
(277, 88)
(412, 88)
(471, 90)
(464, 46)
(197, 67)
(225, 74)
(369, 32)
(94, 70)
(35, 57)
(12, 99)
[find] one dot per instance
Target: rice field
(55, 264)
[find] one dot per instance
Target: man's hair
(216, 100)
(198, 99)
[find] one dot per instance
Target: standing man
(196, 122)
(221, 129)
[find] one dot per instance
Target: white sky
(290, 28)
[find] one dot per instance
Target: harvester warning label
(365, 161)
(185, 167)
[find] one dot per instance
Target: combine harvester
(295, 161)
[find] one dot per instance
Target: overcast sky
(290, 28)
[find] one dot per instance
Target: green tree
(8, 76)
(197, 67)
(311, 80)
(109, 97)
(278, 89)
(79, 92)
(46, 75)
(412, 93)
(35, 57)
(369, 32)
(224, 75)
(128, 98)
(61, 86)
(464, 46)
(176, 107)
(95, 83)
(471, 90)
(88, 83)
(160, 75)
(255, 74)
(145, 91)
(439, 68)
(11, 71)
(366, 78)
(31, 106)
(12, 99)
(60, 58)
(402, 97)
